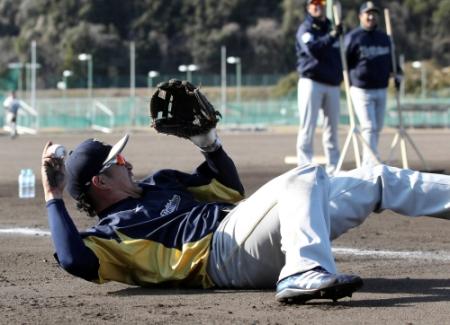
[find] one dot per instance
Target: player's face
(120, 177)
(369, 20)
(316, 10)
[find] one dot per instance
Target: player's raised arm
(71, 252)
(179, 108)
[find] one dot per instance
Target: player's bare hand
(53, 174)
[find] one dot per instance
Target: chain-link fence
(107, 113)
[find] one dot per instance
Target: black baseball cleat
(316, 284)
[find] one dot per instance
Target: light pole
(151, 74)
(29, 69)
(423, 77)
(237, 60)
(18, 66)
(88, 58)
(188, 69)
(66, 74)
(223, 80)
(132, 71)
(34, 66)
(61, 85)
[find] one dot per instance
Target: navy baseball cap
(86, 161)
(368, 6)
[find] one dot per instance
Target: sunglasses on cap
(119, 160)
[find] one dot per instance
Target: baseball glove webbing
(179, 108)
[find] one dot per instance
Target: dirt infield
(405, 263)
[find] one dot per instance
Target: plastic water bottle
(22, 183)
(31, 184)
(27, 184)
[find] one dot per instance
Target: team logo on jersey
(171, 205)
(307, 37)
(371, 52)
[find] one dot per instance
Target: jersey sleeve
(223, 169)
(71, 252)
(220, 179)
(313, 44)
(397, 59)
(215, 180)
(7, 102)
(350, 51)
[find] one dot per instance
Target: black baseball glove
(179, 108)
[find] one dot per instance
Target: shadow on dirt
(405, 292)
(139, 291)
(411, 291)
(402, 292)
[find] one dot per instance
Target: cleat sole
(333, 293)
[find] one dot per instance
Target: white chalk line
(345, 251)
(24, 231)
(407, 255)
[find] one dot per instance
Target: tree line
(168, 33)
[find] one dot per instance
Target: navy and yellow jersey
(161, 238)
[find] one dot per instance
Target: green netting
(83, 113)
(420, 113)
(275, 112)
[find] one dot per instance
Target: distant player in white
(12, 106)
(320, 69)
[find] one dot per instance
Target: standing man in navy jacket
(370, 65)
(320, 69)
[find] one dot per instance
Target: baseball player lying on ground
(195, 230)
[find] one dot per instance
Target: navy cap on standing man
(368, 6)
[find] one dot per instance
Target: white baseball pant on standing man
(313, 96)
(370, 106)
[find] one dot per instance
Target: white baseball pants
(370, 107)
(11, 122)
(286, 226)
(313, 96)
